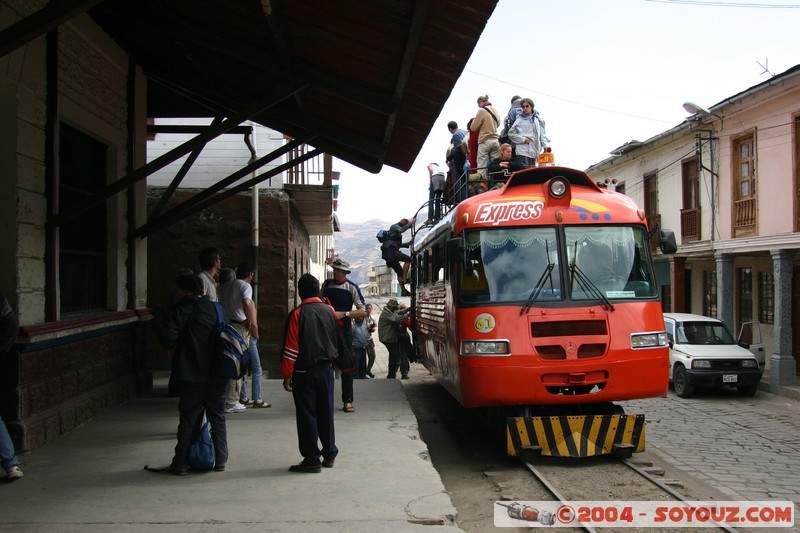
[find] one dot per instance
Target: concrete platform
(93, 479)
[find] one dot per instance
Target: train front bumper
(575, 436)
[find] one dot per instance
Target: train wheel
(681, 382)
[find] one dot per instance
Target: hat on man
(392, 304)
(341, 264)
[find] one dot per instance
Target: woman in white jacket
(528, 134)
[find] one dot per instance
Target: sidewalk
(93, 478)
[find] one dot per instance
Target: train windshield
(512, 264)
(610, 260)
(506, 264)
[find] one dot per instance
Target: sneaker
(14, 473)
(328, 464)
(306, 468)
(261, 404)
(246, 402)
(370, 375)
(236, 408)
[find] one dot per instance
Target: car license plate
(730, 378)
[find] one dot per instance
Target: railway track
(624, 480)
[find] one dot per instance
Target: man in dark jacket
(310, 347)
(389, 335)
(189, 330)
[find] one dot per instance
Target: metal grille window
(710, 293)
(766, 297)
(82, 241)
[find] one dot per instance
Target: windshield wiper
(537, 290)
(588, 286)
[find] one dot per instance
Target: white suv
(703, 353)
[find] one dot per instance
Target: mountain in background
(357, 245)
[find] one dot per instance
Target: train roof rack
(541, 175)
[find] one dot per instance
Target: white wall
(220, 158)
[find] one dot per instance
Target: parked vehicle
(702, 353)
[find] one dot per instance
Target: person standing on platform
(9, 326)
(189, 328)
(371, 326)
(245, 273)
(309, 349)
(342, 295)
(361, 338)
(210, 263)
(389, 335)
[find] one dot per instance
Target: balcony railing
(690, 225)
(744, 213)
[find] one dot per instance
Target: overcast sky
(601, 73)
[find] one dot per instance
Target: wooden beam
(210, 196)
(160, 162)
(39, 23)
(409, 55)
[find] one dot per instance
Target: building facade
(726, 182)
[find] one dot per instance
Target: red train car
(542, 294)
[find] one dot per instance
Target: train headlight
(484, 348)
(649, 340)
(701, 363)
(558, 187)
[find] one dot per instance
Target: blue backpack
(201, 452)
(233, 351)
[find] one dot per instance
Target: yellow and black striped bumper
(574, 436)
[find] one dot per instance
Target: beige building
(726, 181)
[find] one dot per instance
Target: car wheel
(747, 390)
(681, 382)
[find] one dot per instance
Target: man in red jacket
(309, 349)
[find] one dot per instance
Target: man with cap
(389, 335)
(342, 294)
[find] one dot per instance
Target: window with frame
(710, 293)
(744, 159)
(745, 278)
(690, 213)
(82, 252)
(766, 297)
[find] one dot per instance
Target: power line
(605, 110)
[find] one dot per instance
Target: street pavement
(748, 448)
